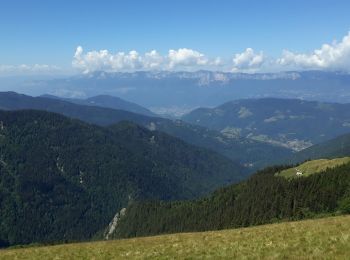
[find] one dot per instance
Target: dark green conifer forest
(263, 198)
(64, 180)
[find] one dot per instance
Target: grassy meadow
(327, 238)
(314, 166)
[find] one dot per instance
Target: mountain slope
(254, 154)
(288, 122)
(312, 167)
(251, 153)
(108, 102)
(326, 238)
(62, 179)
(263, 198)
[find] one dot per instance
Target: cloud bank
(121, 61)
(334, 56)
(29, 69)
(330, 56)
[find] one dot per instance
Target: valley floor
(327, 238)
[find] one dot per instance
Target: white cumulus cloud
(248, 60)
(335, 56)
(186, 57)
(182, 58)
(153, 60)
(103, 60)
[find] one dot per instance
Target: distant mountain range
(248, 152)
(108, 102)
(291, 123)
(63, 179)
(177, 92)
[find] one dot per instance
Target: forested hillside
(263, 198)
(62, 179)
(291, 123)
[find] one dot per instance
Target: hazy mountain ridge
(108, 102)
(166, 89)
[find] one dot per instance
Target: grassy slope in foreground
(318, 238)
(314, 166)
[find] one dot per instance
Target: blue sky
(48, 32)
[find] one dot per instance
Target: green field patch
(311, 167)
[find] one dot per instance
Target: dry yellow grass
(327, 238)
